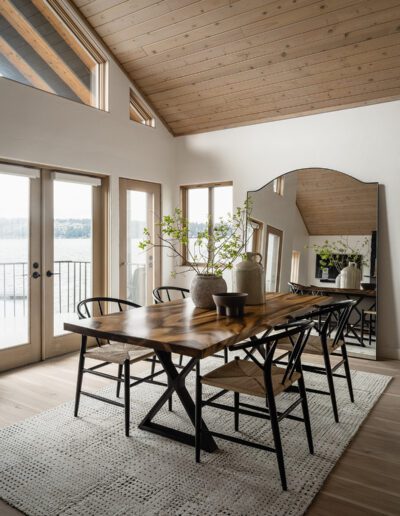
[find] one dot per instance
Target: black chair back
(334, 315)
(162, 294)
(104, 306)
(296, 331)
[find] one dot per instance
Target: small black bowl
(230, 303)
(368, 286)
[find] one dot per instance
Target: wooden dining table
(179, 327)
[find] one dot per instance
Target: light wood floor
(365, 481)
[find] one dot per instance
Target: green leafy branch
(212, 250)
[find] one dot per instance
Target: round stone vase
(203, 287)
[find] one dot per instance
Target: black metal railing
(72, 282)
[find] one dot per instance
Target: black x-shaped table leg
(176, 383)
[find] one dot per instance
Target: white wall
(40, 128)
(363, 142)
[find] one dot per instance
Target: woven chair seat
(246, 377)
(313, 345)
(118, 352)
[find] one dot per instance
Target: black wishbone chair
(330, 320)
(163, 294)
(263, 379)
(112, 353)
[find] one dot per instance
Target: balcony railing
(72, 282)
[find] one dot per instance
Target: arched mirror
(317, 230)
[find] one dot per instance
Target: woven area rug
(54, 464)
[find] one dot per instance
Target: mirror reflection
(316, 230)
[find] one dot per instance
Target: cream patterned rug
(54, 464)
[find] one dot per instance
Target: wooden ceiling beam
(66, 33)
(42, 48)
(23, 67)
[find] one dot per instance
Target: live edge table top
(180, 327)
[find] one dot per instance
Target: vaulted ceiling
(332, 203)
(212, 64)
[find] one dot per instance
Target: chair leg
(347, 372)
(198, 412)
(153, 366)
(127, 396)
(362, 327)
(277, 440)
(119, 383)
(181, 360)
(226, 355)
(306, 414)
(81, 365)
(236, 401)
(331, 385)
(170, 400)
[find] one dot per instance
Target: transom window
(139, 113)
(44, 44)
(203, 206)
(279, 185)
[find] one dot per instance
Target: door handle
(36, 275)
(49, 274)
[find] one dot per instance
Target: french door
(140, 271)
(51, 257)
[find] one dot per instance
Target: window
(295, 268)
(138, 113)
(44, 44)
(279, 185)
(254, 235)
(273, 253)
(204, 205)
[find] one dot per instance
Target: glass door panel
(20, 279)
(137, 261)
(140, 271)
(14, 260)
(74, 253)
(73, 245)
(273, 259)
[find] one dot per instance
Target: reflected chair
(263, 379)
(112, 353)
(296, 288)
(337, 315)
(368, 322)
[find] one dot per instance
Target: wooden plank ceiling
(332, 203)
(212, 64)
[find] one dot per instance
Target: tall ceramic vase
(203, 287)
(249, 275)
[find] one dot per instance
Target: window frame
(138, 109)
(184, 191)
(257, 227)
(279, 185)
(279, 233)
(66, 20)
